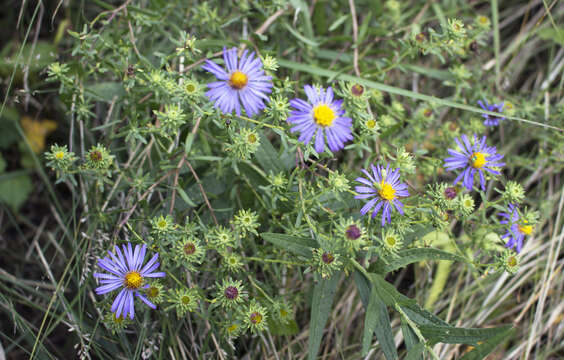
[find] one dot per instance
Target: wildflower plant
(230, 157)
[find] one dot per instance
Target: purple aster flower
(385, 188)
(491, 120)
(243, 81)
(126, 271)
(472, 158)
(517, 229)
(320, 116)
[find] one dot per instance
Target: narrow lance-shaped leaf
(294, 244)
(482, 350)
(409, 256)
(323, 294)
(377, 321)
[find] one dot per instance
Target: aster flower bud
(183, 300)
(244, 143)
(232, 262)
(338, 182)
(171, 119)
(465, 205)
(270, 63)
(326, 262)
(255, 317)
(514, 192)
(391, 242)
(357, 90)
(246, 221)
(162, 225)
(509, 261)
(99, 159)
(230, 293)
(60, 159)
(189, 252)
(155, 292)
(116, 324)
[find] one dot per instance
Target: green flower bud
(183, 300)
(514, 192)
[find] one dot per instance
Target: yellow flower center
(525, 229)
(256, 318)
(370, 124)
(512, 261)
(153, 292)
(323, 115)
(185, 300)
(283, 313)
(59, 155)
(391, 241)
(162, 224)
(133, 280)
(387, 191)
(478, 160)
(190, 88)
(238, 80)
(252, 138)
(232, 328)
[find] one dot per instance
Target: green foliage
(260, 234)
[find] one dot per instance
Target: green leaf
(277, 328)
(188, 143)
(106, 91)
(410, 338)
(454, 335)
(409, 256)
(554, 34)
(267, 156)
(338, 22)
(300, 36)
(392, 297)
(481, 351)
(396, 90)
(14, 189)
(363, 286)
(211, 185)
(302, 7)
(2, 164)
(377, 321)
(185, 197)
(323, 294)
(294, 244)
(415, 352)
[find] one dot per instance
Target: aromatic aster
(321, 116)
(127, 272)
(518, 228)
(243, 81)
(473, 158)
(491, 120)
(385, 188)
